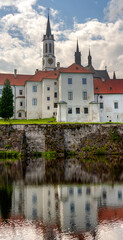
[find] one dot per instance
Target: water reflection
(49, 199)
(63, 210)
(97, 170)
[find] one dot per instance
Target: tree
(6, 101)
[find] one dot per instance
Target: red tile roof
(75, 68)
(40, 75)
(18, 81)
(109, 86)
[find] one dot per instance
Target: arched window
(50, 48)
(46, 48)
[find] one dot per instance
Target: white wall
(109, 113)
(77, 88)
(49, 83)
(33, 111)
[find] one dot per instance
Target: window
(46, 48)
(116, 105)
(34, 199)
(79, 191)
(77, 110)
(34, 213)
(88, 191)
(19, 114)
(69, 80)
(20, 92)
(84, 81)
(55, 105)
(50, 48)
(87, 207)
(85, 110)
(72, 207)
(0, 91)
(55, 94)
(48, 107)
(104, 195)
(48, 98)
(119, 195)
(69, 110)
(55, 83)
(71, 191)
(21, 104)
(84, 95)
(34, 101)
(48, 88)
(34, 88)
(70, 96)
(101, 105)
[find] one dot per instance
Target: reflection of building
(18, 199)
(78, 209)
(41, 202)
(68, 207)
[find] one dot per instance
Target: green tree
(6, 101)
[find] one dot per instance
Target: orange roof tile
(18, 81)
(75, 68)
(40, 75)
(108, 86)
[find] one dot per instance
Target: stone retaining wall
(62, 138)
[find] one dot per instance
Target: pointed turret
(48, 31)
(77, 55)
(114, 75)
(89, 59)
(48, 60)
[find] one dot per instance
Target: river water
(64, 199)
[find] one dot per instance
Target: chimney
(15, 73)
(58, 65)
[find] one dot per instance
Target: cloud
(21, 34)
(114, 10)
(21, 5)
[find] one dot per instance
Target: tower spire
(77, 47)
(89, 58)
(114, 75)
(77, 55)
(48, 30)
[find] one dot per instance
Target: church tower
(48, 60)
(77, 55)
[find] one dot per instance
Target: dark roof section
(89, 59)
(101, 74)
(98, 73)
(48, 31)
(77, 55)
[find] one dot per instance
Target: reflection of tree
(5, 201)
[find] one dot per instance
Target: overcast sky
(97, 24)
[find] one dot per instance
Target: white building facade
(72, 94)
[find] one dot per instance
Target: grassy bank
(47, 121)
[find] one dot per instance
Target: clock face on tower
(50, 61)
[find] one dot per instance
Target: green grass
(48, 121)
